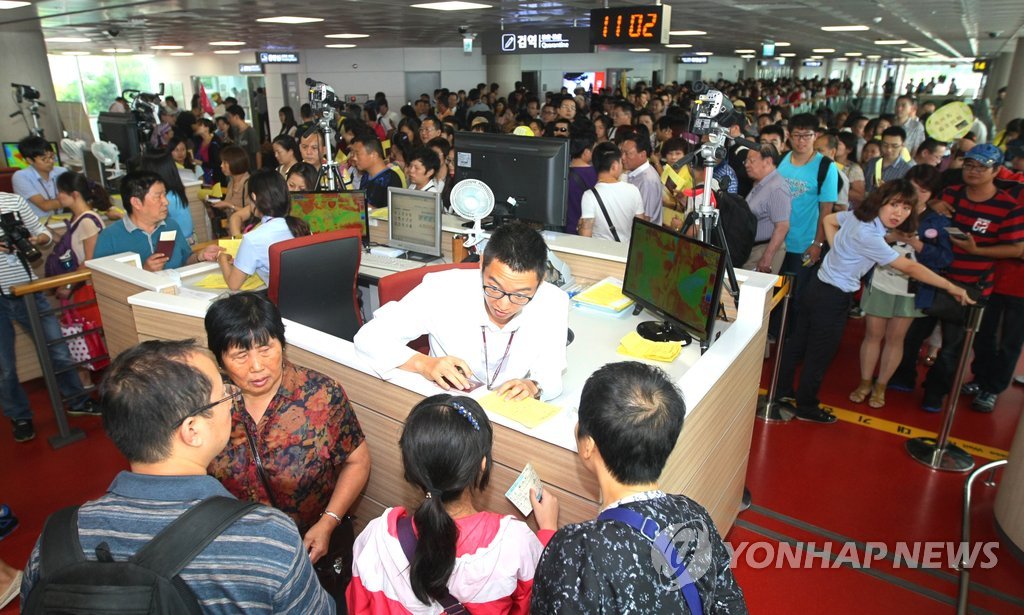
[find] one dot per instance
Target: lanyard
(491, 379)
(46, 192)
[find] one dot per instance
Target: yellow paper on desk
(381, 213)
(216, 280)
(529, 412)
(635, 346)
(60, 217)
(230, 246)
(606, 294)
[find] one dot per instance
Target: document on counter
(519, 492)
(230, 246)
(529, 412)
(216, 280)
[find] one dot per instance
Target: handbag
(948, 309)
(83, 347)
(334, 568)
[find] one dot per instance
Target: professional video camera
(322, 99)
(714, 112)
(25, 92)
(17, 238)
(324, 102)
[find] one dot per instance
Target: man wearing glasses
(501, 326)
(890, 165)
(37, 184)
(167, 409)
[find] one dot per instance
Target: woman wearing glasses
(295, 442)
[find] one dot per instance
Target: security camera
(114, 32)
(994, 34)
(463, 29)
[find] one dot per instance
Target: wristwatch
(536, 384)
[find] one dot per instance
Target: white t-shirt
(623, 202)
(888, 279)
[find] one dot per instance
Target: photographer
(37, 184)
(14, 271)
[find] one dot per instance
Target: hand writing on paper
(518, 390)
(447, 372)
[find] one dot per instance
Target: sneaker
(7, 521)
(815, 415)
(971, 388)
(984, 402)
(856, 312)
(23, 430)
(1018, 379)
(88, 409)
(900, 385)
(931, 403)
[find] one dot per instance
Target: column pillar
(1014, 105)
(669, 68)
(25, 62)
(504, 70)
(998, 74)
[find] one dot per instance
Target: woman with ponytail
(447, 552)
(268, 194)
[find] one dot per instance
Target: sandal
(877, 399)
(861, 392)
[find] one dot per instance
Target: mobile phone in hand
(956, 233)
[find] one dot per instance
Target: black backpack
(739, 225)
(148, 582)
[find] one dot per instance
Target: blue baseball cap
(986, 154)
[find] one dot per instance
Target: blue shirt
(177, 210)
(257, 565)
(803, 190)
(856, 248)
(124, 236)
(254, 251)
(27, 183)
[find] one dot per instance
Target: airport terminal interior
(419, 129)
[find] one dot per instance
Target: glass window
(64, 72)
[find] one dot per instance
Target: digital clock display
(630, 25)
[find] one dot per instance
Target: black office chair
(313, 281)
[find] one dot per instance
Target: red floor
(810, 484)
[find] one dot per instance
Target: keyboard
(389, 263)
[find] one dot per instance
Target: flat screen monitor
(121, 130)
(527, 174)
(414, 222)
(331, 211)
(591, 81)
(678, 278)
(16, 161)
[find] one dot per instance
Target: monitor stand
(663, 331)
(420, 257)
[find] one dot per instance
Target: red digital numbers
(625, 25)
(639, 26)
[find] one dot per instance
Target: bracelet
(332, 515)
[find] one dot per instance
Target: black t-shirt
(376, 187)
(250, 142)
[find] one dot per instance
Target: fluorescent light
(166, 47)
(451, 5)
(227, 43)
(787, 55)
(118, 50)
(824, 50)
(68, 39)
(913, 49)
(874, 57)
(639, 49)
(340, 46)
(892, 41)
(816, 57)
(182, 54)
(845, 28)
(782, 44)
(226, 52)
(705, 53)
(748, 57)
(287, 19)
(742, 51)
(679, 45)
(853, 54)
(346, 35)
(10, 4)
(687, 32)
(76, 53)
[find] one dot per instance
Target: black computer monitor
(121, 130)
(678, 278)
(414, 222)
(531, 171)
(330, 211)
(15, 160)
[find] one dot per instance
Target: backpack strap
(186, 537)
(59, 545)
(650, 530)
(604, 210)
(823, 165)
(407, 539)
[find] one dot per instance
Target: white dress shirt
(449, 307)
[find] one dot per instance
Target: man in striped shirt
(168, 411)
(15, 271)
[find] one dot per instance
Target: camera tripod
(33, 109)
(329, 179)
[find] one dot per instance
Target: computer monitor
(414, 222)
(16, 161)
(527, 175)
(121, 130)
(331, 211)
(678, 278)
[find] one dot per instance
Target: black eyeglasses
(496, 293)
(233, 392)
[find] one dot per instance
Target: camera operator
(37, 183)
(13, 271)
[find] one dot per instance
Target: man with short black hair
(582, 176)
(622, 115)
(37, 183)
(513, 341)
(906, 118)
(775, 136)
(930, 152)
(610, 199)
(246, 136)
(630, 417)
(367, 155)
(890, 165)
(167, 409)
(636, 154)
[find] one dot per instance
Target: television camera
(324, 102)
(145, 110)
(17, 238)
(26, 94)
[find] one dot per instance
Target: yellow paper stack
(529, 412)
(605, 295)
(635, 346)
(216, 281)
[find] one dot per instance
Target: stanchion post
(767, 410)
(964, 565)
(941, 454)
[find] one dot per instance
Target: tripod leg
(734, 285)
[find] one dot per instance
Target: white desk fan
(473, 200)
(108, 155)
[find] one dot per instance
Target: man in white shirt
(636, 155)
(621, 201)
(501, 326)
(906, 118)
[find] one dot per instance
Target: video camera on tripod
(324, 102)
(17, 238)
(322, 99)
(145, 110)
(27, 94)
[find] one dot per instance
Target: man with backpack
(168, 411)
